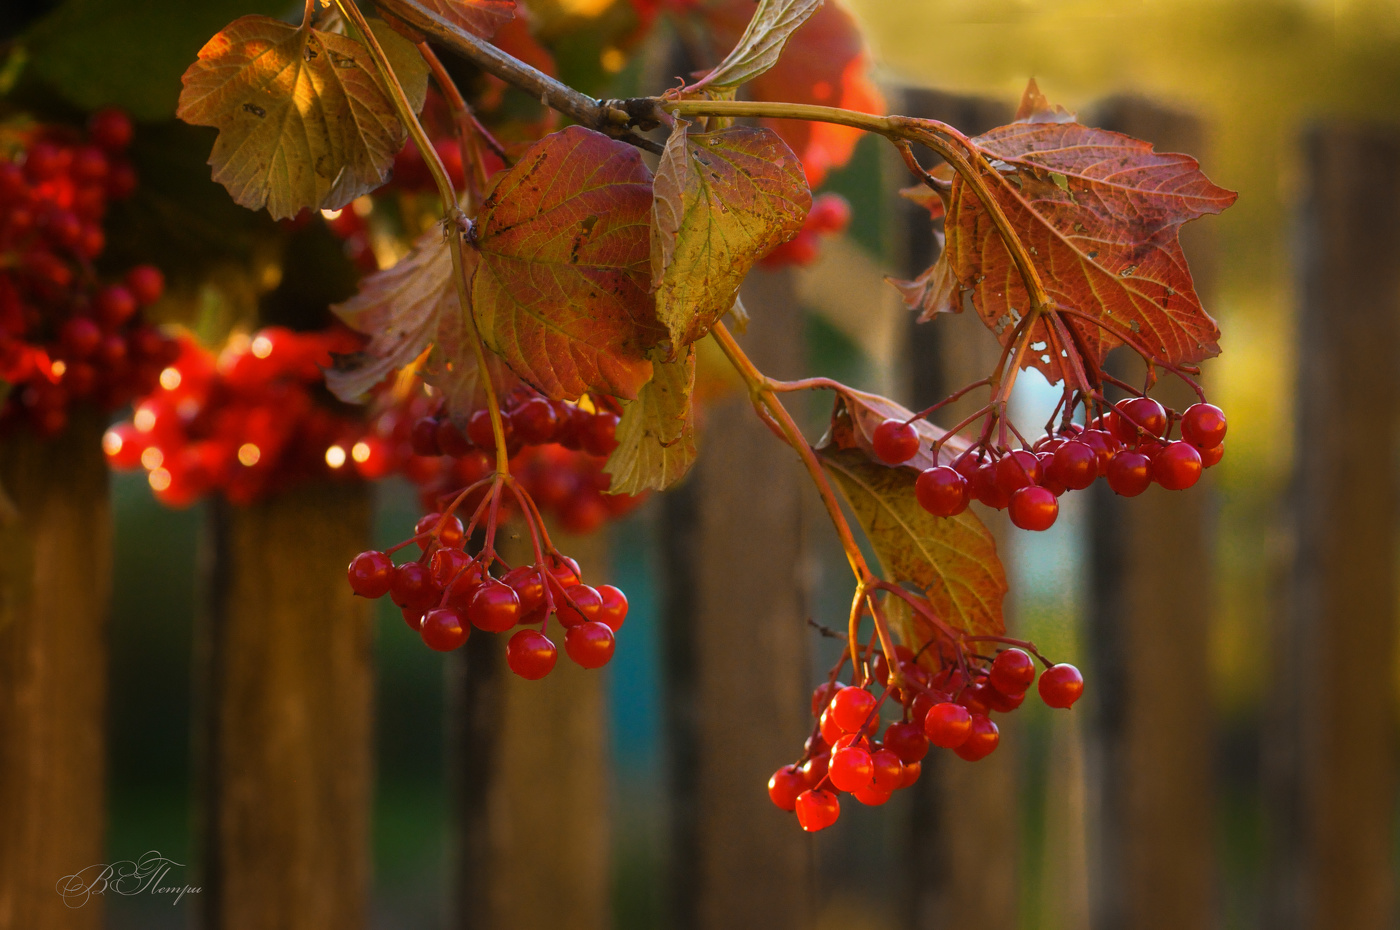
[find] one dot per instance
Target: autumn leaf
(953, 560)
(761, 43)
(656, 437)
(722, 201)
(856, 414)
(825, 62)
(479, 17)
(452, 367)
(1100, 215)
(304, 120)
(561, 291)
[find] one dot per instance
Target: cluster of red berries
(249, 423)
(829, 216)
(64, 336)
(1128, 447)
(950, 709)
(445, 592)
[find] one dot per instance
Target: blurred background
(1233, 762)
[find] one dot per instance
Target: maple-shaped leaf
(952, 560)
(656, 436)
(1100, 215)
(761, 44)
(723, 200)
(561, 290)
(825, 62)
(856, 414)
(304, 120)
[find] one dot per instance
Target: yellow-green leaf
(722, 200)
(759, 48)
(656, 437)
(953, 560)
(304, 120)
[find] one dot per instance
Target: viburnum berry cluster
(559, 303)
(65, 336)
(950, 709)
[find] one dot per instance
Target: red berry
(829, 728)
(1212, 456)
(1177, 467)
(814, 769)
(895, 442)
(830, 213)
(981, 741)
(422, 437)
(784, 786)
(590, 644)
(110, 129)
(1017, 470)
(566, 572)
(535, 421)
(1103, 444)
(447, 564)
(1203, 425)
(614, 609)
(448, 439)
(948, 725)
(412, 587)
(887, 770)
(1034, 508)
(494, 607)
(1139, 412)
(370, 573)
(586, 599)
(529, 588)
(452, 534)
(1012, 672)
(1129, 473)
(872, 796)
(1061, 685)
(822, 695)
(147, 283)
(912, 771)
(941, 491)
(598, 434)
(530, 654)
(414, 618)
(851, 708)
(80, 337)
(1075, 465)
(115, 305)
(444, 629)
(906, 740)
(123, 446)
(984, 487)
(850, 768)
(817, 809)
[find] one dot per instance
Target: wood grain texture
(1331, 754)
(531, 780)
(55, 586)
(286, 778)
(737, 652)
(1150, 736)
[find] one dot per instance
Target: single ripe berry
(850, 768)
(941, 491)
(887, 770)
(111, 129)
(1103, 444)
(784, 787)
(872, 796)
(530, 654)
(828, 727)
(1012, 672)
(817, 809)
(1001, 702)
(981, 741)
(413, 587)
(529, 588)
(614, 609)
(587, 605)
(895, 442)
(494, 607)
(983, 486)
(451, 535)
(566, 572)
(947, 725)
(814, 769)
(1017, 470)
(830, 213)
(822, 695)
(115, 305)
(598, 434)
(1061, 685)
(146, 283)
(590, 644)
(414, 618)
(1034, 508)
(444, 629)
(912, 771)
(1075, 465)
(906, 740)
(1203, 425)
(1212, 456)
(1139, 411)
(370, 574)
(851, 708)
(447, 564)
(1177, 467)
(535, 421)
(1129, 473)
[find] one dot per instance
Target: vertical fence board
(55, 582)
(737, 651)
(288, 751)
(530, 764)
(1331, 758)
(1149, 696)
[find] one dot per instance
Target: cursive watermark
(146, 875)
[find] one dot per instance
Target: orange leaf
(561, 290)
(479, 17)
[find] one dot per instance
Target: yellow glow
(335, 456)
(248, 454)
(145, 419)
(58, 368)
(363, 206)
(152, 458)
(331, 214)
(613, 60)
(159, 479)
(360, 452)
(584, 7)
(261, 347)
(170, 379)
(111, 442)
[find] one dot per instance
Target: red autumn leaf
(1100, 215)
(825, 62)
(479, 17)
(561, 292)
